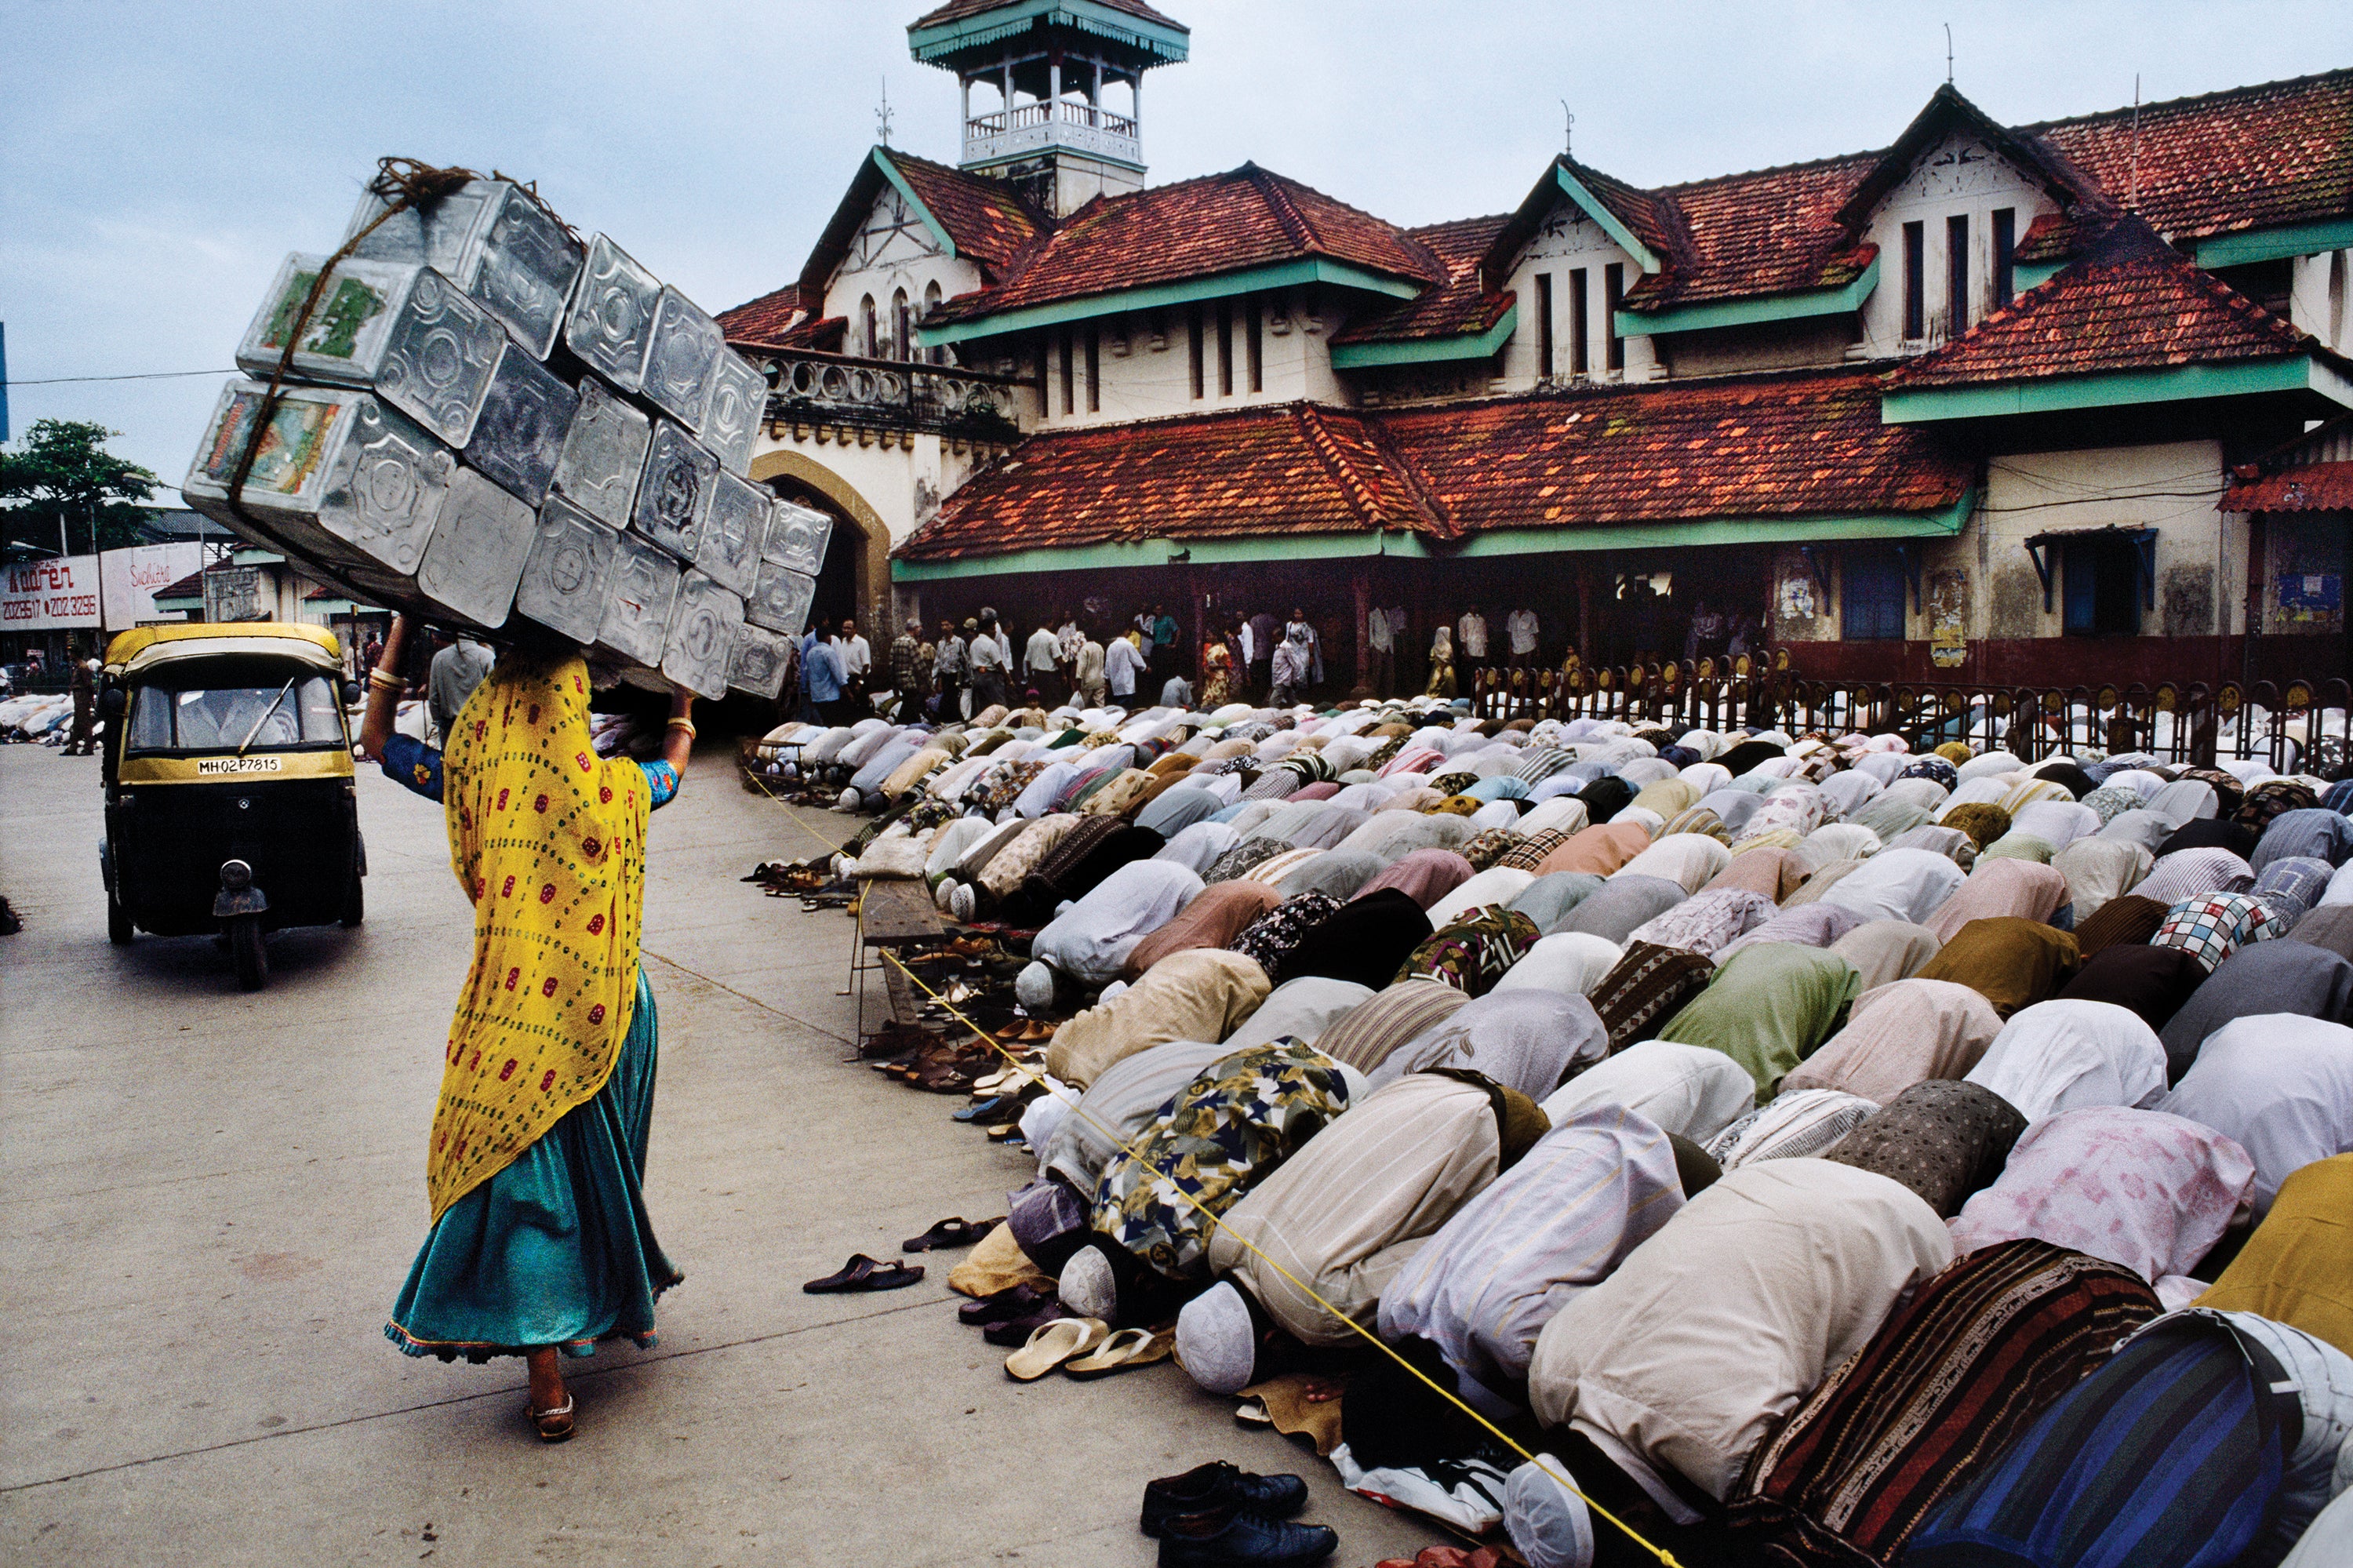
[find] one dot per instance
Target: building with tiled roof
(1928, 409)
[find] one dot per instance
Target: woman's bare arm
(383, 691)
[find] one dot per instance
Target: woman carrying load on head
(540, 1242)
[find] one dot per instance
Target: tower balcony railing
(812, 387)
(1036, 127)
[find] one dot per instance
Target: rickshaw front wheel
(246, 950)
(355, 902)
(117, 922)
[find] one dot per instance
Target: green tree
(62, 469)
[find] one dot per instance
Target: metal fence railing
(2295, 726)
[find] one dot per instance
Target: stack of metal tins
(486, 419)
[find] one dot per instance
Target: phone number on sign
(58, 608)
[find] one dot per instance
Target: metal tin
(638, 599)
(520, 430)
(797, 537)
(292, 471)
(442, 234)
(604, 452)
(780, 599)
(495, 241)
(610, 322)
(732, 531)
(439, 362)
(407, 334)
(386, 494)
(757, 666)
(565, 575)
(524, 268)
(344, 340)
(674, 493)
(684, 355)
(703, 627)
(476, 555)
(739, 400)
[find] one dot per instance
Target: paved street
(211, 1198)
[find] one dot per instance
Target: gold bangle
(382, 682)
(686, 724)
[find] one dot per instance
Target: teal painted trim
(1250, 281)
(2025, 275)
(932, 44)
(2124, 389)
(254, 556)
(1563, 540)
(1574, 189)
(907, 192)
(2271, 244)
(1844, 300)
(1426, 351)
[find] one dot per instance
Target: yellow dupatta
(548, 839)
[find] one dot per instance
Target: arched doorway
(855, 582)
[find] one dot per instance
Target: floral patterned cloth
(1242, 1116)
(1487, 849)
(1270, 937)
(1473, 953)
(1707, 922)
(1244, 858)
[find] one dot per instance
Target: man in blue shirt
(822, 680)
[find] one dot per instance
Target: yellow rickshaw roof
(146, 645)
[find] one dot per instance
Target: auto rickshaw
(230, 804)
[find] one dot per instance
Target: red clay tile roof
(1461, 305)
(1788, 446)
(1293, 469)
(2130, 303)
(1770, 232)
(1196, 229)
(2303, 487)
(1799, 445)
(766, 320)
(987, 218)
(956, 10)
(2253, 157)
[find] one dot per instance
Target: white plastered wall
(1145, 359)
(1566, 242)
(1959, 176)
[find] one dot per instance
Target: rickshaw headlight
(235, 875)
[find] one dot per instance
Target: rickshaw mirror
(112, 703)
(351, 693)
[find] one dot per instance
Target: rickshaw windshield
(216, 704)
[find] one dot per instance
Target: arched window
(872, 347)
(938, 355)
(903, 345)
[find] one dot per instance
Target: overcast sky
(158, 157)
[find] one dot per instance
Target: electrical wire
(142, 376)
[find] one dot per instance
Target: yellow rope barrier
(1666, 1558)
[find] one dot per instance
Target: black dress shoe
(1213, 1487)
(1228, 1539)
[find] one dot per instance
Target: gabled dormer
(1944, 210)
(1570, 254)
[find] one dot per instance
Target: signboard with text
(231, 592)
(49, 595)
(128, 580)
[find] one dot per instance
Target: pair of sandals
(1086, 1347)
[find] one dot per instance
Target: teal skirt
(557, 1248)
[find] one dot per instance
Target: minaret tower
(1035, 74)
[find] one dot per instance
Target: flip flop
(1019, 1301)
(1123, 1351)
(955, 1232)
(1054, 1343)
(552, 1425)
(987, 1109)
(863, 1273)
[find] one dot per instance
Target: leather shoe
(1218, 1487)
(1228, 1538)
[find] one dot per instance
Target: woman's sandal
(552, 1425)
(863, 1273)
(1054, 1343)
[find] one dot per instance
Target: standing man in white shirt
(989, 656)
(1470, 647)
(856, 658)
(1520, 631)
(1040, 665)
(1122, 664)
